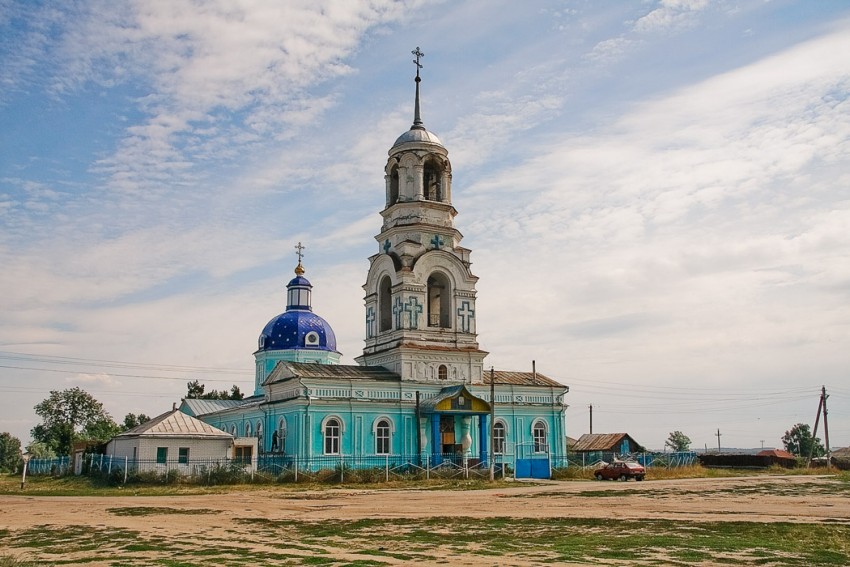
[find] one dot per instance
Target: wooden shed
(605, 446)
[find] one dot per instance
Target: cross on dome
(299, 251)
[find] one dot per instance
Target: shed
(605, 446)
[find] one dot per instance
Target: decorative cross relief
(387, 246)
(437, 242)
(466, 314)
(370, 322)
(414, 309)
(398, 312)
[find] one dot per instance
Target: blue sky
(655, 194)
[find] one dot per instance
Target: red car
(620, 470)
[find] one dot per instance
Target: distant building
(605, 446)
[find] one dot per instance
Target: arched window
(281, 435)
(332, 435)
(443, 372)
(432, 181)
(233, 430)
(385, 304)
(499, 438)
(382, 437)
(248, 429)
(439, 301)
(261, 447)
(392, 198)
(538, 434)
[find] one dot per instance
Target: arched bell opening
(432, 181)
(392, 196)
(439, 301)
(385, 305)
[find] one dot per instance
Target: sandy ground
(804, 499)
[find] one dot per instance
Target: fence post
(428, 466)
(110, 466)
(126, 460)
(387, 468)
(295, 463)
(341, 469)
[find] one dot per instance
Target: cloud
(670, 15)
(694, 229)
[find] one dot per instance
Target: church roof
(201, 407)
(420, 135)
(520, 378)
(175, 423)
(285, 370)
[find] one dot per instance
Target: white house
(176, 441)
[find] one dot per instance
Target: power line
(145, 376)
(68, 360)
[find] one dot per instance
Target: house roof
(600, 442)
(779, 453)
(175, 423)
(202, 407)
(842, 453)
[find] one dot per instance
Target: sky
(656, 195)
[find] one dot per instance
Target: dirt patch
(430, 527)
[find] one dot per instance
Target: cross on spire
(418, 55)
(417, 118)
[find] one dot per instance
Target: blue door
(530, 464)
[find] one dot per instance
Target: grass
(85, 486)
(376, 541)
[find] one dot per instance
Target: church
(421, 389)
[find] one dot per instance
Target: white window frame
(334, 438)
(379, 438)
(540, 445)
(500, 425)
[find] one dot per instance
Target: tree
(799, 441)
(39, 450)
(71, 415)
(10, 452)
(678, 441)
(195, 391)
(132, 420)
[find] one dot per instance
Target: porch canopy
(456, 401)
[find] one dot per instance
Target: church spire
(417, 118)
(299, 251)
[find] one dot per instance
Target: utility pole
(824, 396)
(493, 427)
(718, 440)
(762, 444)
(591, 418)
(815, 432)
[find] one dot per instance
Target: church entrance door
(447, 434)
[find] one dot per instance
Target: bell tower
(420, 291)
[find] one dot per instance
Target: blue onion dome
(298, 327)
